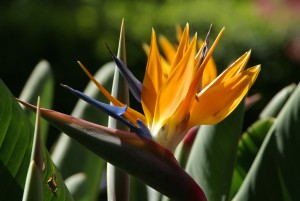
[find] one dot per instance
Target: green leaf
(212, 157)
(183, 150)
(274, 174)
(73, 158)
(53, 184)
(117, 179)
(40, 83)
(77, 185)
(141, 157)
(138, 190)
(16, 138)
(248, 148)
(275, 105)
(33, 186)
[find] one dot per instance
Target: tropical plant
(188, 144)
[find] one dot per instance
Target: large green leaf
(15, 146)
(213, 154)
(16, 138)
(40, 83)
(248, 148)
(71, 157)
(274, 174)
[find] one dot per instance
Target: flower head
(179, 90)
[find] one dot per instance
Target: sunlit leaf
(248, 148)
(274, 174)
(213, 154)
(33, 186)
(16, 137)
(77, 185)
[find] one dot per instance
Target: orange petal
(217, 101)
(234, 68)
(152, 80)
(194, 85)
(176, 87)
(210, 73)
(182, 48)
(131, 114)
(167, 48)
(178, 32)
(165, 64)
(199, 74)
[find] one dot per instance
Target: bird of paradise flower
(179, 91)
(175, 95)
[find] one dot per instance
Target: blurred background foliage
(64, 31)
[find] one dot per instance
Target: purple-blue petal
(135, 86)
(143, 129)
(113, 111)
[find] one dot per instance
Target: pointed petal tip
(187, 28)
(248, 53)
(222, 30)
(153, 34)
(82, 66)
(134, 84)
(258, 66)
(25, 103)
(67, 87)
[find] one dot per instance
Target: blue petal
(113, 111)
(143, 129)
(135, 86)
